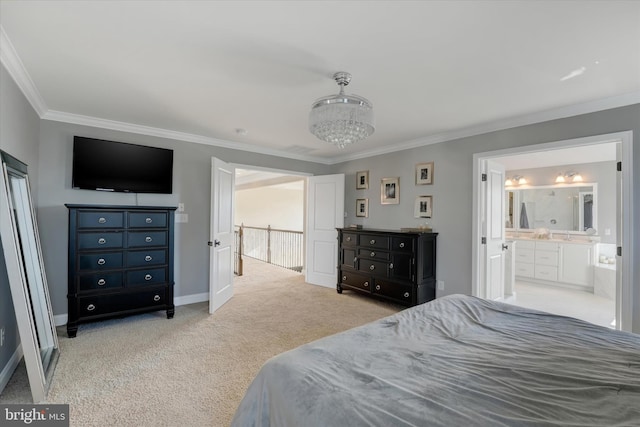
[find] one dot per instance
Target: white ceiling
(434, 70)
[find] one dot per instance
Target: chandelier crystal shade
(341, 119)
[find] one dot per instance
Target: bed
(455, 361)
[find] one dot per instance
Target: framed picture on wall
(390, 191)
(423, 207)
(362, 180)
(424, 173)
(362, 208)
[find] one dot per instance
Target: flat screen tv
(117, 166)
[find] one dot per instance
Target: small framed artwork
(362, 180)
(362, 208)
(423, 207)
(390, 191)
(424, 173)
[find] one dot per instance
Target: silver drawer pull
(366, 284)
(102, 241)
(372, 267)
(148, 277)
(148, 239)
(148, 258)
(348, 238)
(391, 265)
(377, 287)
(102, 282)
(372, 241)
(156, 298)
(101, 261)
(91, 307)
(373, 254)
(344, 278)
(102, 220)
(148, 220)
(402, 245)
(406, 294)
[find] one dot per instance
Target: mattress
(455, 361)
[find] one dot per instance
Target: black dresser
(391, 265)
(120, 262)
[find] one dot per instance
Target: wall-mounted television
(117, 166)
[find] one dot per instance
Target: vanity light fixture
(573, 176)
(516, 179)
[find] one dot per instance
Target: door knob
(216, 243)
(505, 247)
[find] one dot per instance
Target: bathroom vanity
(566, 263)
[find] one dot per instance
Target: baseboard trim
(10, 367)
(191, 299)
(61, 319)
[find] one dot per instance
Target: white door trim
(624, 288)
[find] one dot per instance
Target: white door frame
(624, 286)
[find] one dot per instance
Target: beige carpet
(193, 370)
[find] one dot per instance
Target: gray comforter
(456, 361)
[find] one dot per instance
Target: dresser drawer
(349, 239)
(402, 244)
(547, 246)
(147, 219)
(546, 258)
(524, 269)
(374, 241)
(142, 258)
(373, 254)
(91, 219)
(525, 244)
(349, 259)
(545, 272)
(88, 282)
(100, 261)
(105, 304)
(373, 267)
(393, 290)
(101, 240)
(146, 277)
(147, 238)
(355, 280)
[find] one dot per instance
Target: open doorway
(567, 268)
(269, 224)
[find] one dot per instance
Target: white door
(493, 230)
(325, 213)
(221, 240)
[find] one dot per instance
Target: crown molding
(78, 119)
(508, 123)
(12, 62)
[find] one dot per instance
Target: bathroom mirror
(27, 280)
(555, 207)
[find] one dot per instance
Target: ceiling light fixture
(341, 119)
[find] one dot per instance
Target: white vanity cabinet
(554, 262)
(577, 264)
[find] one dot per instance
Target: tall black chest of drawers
(391, 265)
(120, 262)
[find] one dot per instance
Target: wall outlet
(440, 285)
(1, 336)
(180, 207)
(182, 217)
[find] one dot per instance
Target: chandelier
(341, 119)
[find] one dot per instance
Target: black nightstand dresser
(391, 265)
(120, 262)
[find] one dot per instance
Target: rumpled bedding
(455, 361)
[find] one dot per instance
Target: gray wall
(191, 186)
(452, 187)
(602, 173)
(19, 125)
